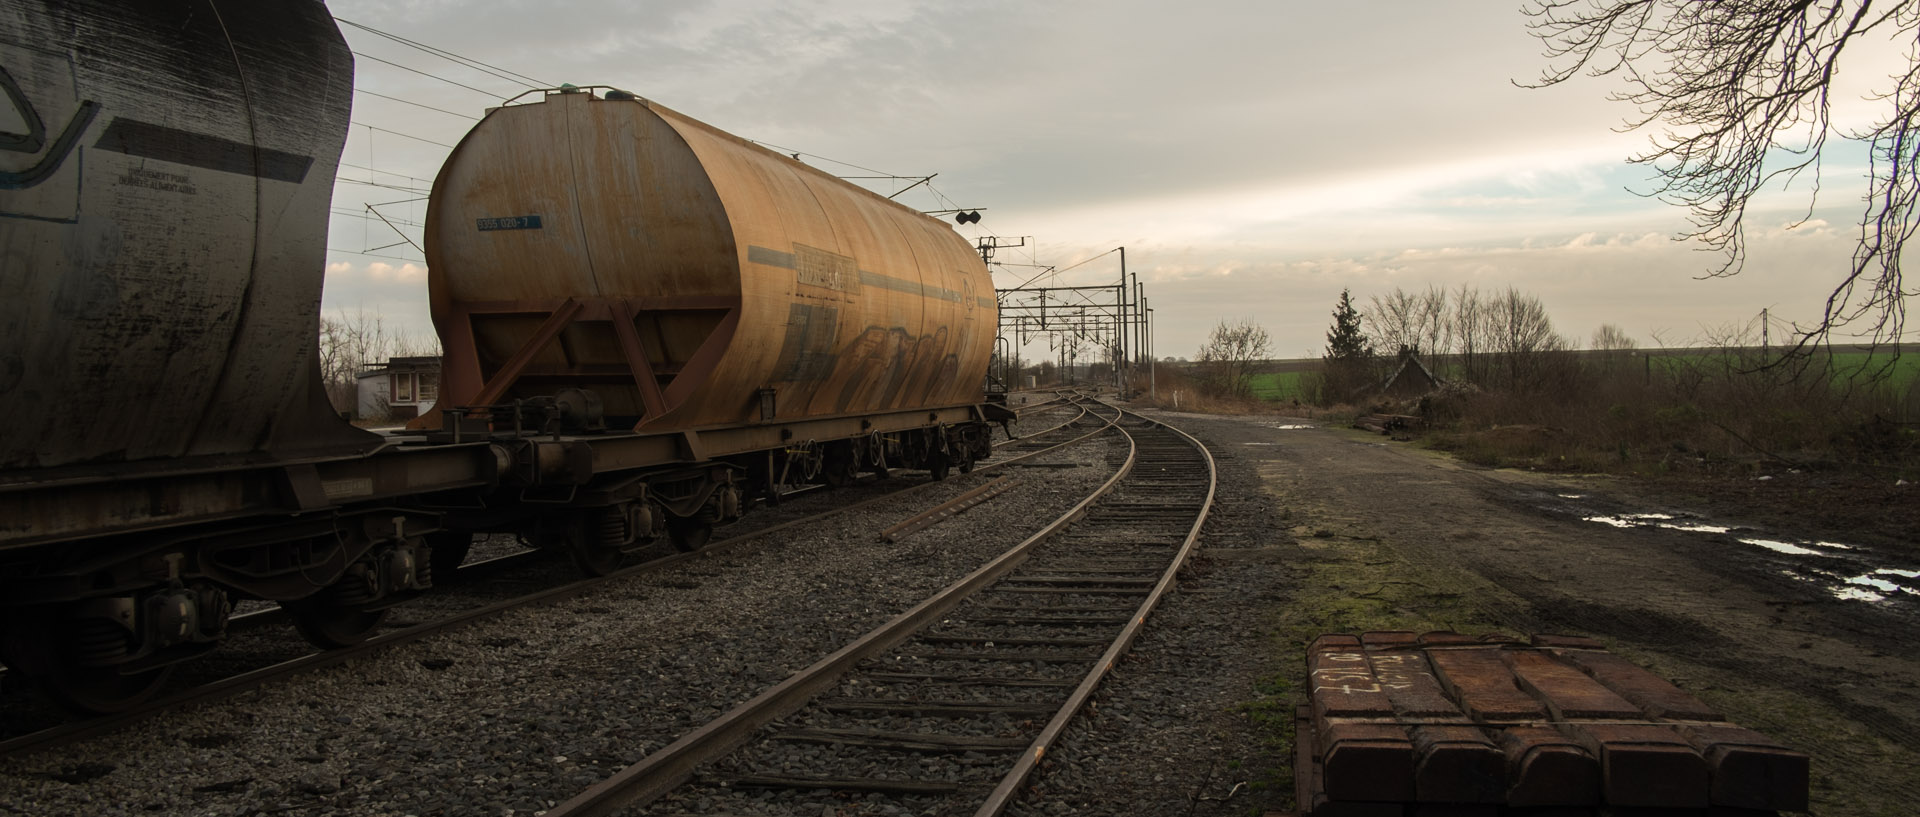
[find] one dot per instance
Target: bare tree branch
(1741, 93)
(1226, 361)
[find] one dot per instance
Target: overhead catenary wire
(501, 73)
(386, 173)
(376, 255)
(799, 153)
(401, 188)
(362, 214)
(430, 75)
(1064, 269)
(405, 135)
(409, 239)
(416, 104)
(397, 201)
(421, 185)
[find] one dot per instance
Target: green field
(1848, 367)
(1278, 386)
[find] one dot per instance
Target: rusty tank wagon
(650, 272)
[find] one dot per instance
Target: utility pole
(1140, 321)
(1153, 360)
(1119, 329)
(1080, 318)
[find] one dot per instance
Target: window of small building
(429, 386)
(402, 387)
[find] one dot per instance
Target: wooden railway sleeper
(928, 742)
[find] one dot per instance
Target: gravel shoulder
(1329, 530)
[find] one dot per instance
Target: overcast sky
(1254, 158)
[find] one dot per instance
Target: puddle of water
(1875, 582)
(1259, 443)
(1883, 581)
(1657, 520)
(1699, 528)
(1881, 585)
(1782, 547)
(1571, 496)
(1291, 427)
(1877, 585)
(1856, 594)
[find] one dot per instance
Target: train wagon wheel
(65, 660)
(333, 617)
(104, 690)
(597, 542)
(689, 534)
(939, 467)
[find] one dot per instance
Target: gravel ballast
(1171, 729)
(514, 714)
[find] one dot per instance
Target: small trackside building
(400, 389)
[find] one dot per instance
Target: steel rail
(68, 733)
(947, 510)
(671, 766)
(1029, 760)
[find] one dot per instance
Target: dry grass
(1712, 416)
(1175, 391)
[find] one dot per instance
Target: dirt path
(1401, 538)
(1330, 530)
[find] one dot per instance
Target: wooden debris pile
(1389, 423)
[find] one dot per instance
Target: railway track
(949, 707)
(1078, 425)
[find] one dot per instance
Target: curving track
(949, 707)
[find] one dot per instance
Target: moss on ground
(1350, 584)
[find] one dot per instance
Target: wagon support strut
(468, 384)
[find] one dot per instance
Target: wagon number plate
(508, 223)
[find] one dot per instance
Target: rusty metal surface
(1404, 722)
(712, 265)
(164, 231)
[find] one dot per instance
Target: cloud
(395, 291)
(1254, 168)
(383, 271)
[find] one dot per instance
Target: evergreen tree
(1348, 364)
(1346, 341)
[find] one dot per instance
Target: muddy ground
(1777, 618)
